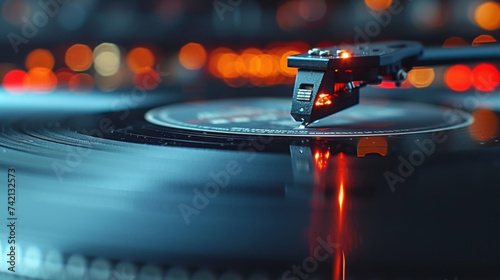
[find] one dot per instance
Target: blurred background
(84, 46)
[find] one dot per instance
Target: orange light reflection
(324, 99)
(485, 125)
(341, 195)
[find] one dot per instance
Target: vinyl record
(272, 117)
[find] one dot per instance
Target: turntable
(338, 176)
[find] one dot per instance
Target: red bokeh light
(13, 81)
(146, 79)
(458, 78)
(485, 77)
(64, 75)
(81, 83)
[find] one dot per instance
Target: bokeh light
(32, 261)
(485, 77)
(235, 82)
(245, 63)
(106, 47)
(378, 5)
(5, 68)
(454, 41)
(430, 14)
(13, 11)
(421, 77)
(13, 81)
(79, 57)
(289, 16)
(40, 80)
(483, 39)
(487, 15)
(81, 83)
(258, 67)
(108, 83)
(147, 79)
(226, 65)
(213, 62)
(458, 78)
(63, 76)
(169, 10)
(485, 125)
(107, 59)
(288, 71)
(312, 10)
(264, 65)
(193, 56)
(39, 58)
(139, 58)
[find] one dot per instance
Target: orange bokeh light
(485, 77)
(13, 81)
(245, 63)
(214, 60)
(487, 15)
(265, 64)
(139, 58)
(226, 65)
(458, 78)
(288, 71)
(40, 80)
(421, 77)
(378, 5)
(485, 125)
(193, 56)
(483, 39)
(39, 58)
(79, 57)
(260, 67)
